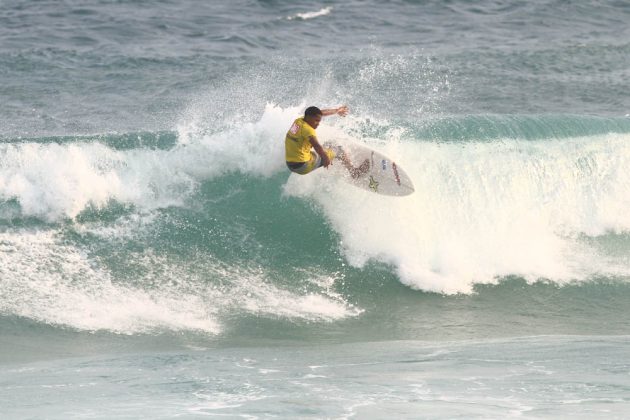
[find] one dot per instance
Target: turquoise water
(158, 261)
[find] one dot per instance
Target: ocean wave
(532, 204)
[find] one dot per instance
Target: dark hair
(312, 111)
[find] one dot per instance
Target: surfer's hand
(342, 110)
(326, 161)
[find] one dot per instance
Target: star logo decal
(373, 184)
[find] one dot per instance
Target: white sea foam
(311, 15)
(45, 278)
(52, 181)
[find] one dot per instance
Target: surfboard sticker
(373, 184)
(396, 175)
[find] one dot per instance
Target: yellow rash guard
(297, 144)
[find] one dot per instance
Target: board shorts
(303, 168)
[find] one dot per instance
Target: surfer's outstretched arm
(342, 110)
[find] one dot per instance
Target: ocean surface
(157, 260)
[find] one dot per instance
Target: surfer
(301, 137)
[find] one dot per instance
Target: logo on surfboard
(395, 168)
(373, 184)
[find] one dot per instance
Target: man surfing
(301, 137)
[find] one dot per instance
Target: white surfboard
(371, 170)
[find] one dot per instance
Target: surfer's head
(313, 116)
